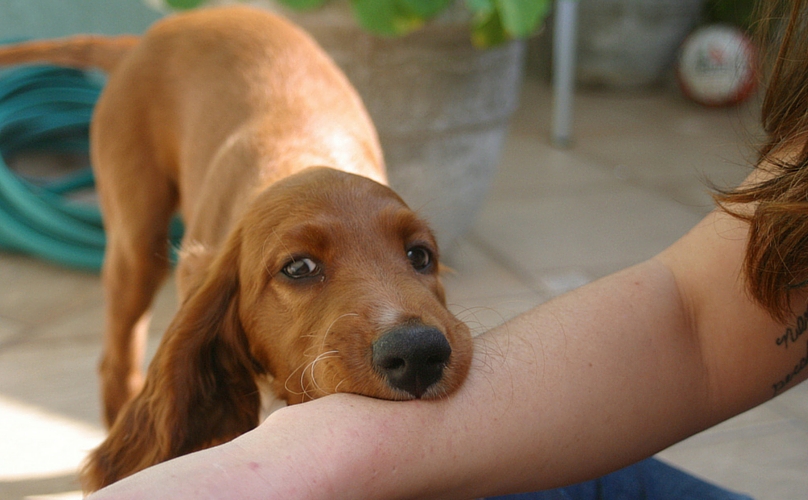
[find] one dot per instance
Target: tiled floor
(632, 183)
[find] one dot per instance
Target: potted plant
(440, 78)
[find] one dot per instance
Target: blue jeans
(646, 480)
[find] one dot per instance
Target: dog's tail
(81, 51)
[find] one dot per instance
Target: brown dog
(319, 280)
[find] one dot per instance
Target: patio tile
(619, 227)
(56, 289)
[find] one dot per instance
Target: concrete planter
(441, 106)
(631, 43)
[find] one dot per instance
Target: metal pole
(565, 29)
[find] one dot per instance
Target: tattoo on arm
(791, 336)
(781, 384)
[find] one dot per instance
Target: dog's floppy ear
(200, 389)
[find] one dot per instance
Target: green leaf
(487, 30)
(375, 15)
(386, 17)
(184, 4)
(425, 9)
(520, 18)
(480, 8)
(497, 21)
(303, 4)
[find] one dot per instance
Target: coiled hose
(48, 109)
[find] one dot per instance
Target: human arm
(577, 387)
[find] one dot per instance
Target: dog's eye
(301, 268)
(420, 258)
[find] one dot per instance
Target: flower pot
(441, 106)
(631, 43)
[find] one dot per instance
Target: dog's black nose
(412, 357)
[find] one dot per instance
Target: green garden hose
(48, 109)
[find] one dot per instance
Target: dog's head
(339, 292)
(328, 283)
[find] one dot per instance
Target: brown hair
(776, 259)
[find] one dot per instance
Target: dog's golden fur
(287, 272)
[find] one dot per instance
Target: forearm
(580, 386)
(573, 389)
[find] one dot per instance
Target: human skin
(580, 386)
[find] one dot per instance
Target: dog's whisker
(322, 346)
(336, 388)
(328, 330)
(307, 352)
(303, 368)
(311, 366)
